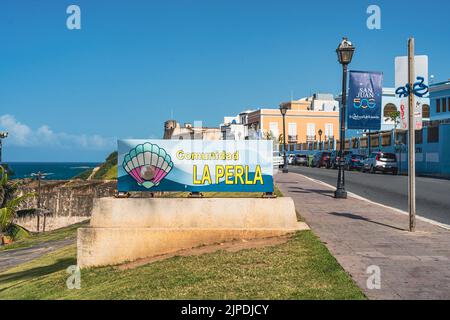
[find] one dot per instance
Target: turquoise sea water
(53, 170)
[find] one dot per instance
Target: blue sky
(66, 95)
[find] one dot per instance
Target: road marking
(353, 195)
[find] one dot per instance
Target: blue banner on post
(364, 100)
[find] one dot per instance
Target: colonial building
(314, 118)
(173, 130)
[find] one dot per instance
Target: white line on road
(353, 195)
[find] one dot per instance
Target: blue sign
(195, 165)
(364, 100)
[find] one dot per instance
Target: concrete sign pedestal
(124, 230)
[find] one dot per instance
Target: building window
(444, 105)
(438, 105)
(273, 129)
(389, 109)
(329, 130)
(292, 132)
(433, 134)
(310, 131)
(419, 136)
(425, 111)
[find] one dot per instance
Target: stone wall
(67, 202)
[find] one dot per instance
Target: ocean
(52, 170)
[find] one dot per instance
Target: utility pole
(411, 142)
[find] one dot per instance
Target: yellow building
(306, 119)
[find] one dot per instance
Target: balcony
(310, 138)
(292, 138)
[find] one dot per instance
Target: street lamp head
(3, 134)
(345, 51)
(320, 132)
(284, 107)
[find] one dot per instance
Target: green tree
(394, 116)
(8, 207)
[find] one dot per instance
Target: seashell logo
(148, 164)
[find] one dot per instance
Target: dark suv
(334, 158)
(321, 159)
(354, 161)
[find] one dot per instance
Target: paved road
(11, 258)
(432, 195)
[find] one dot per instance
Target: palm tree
(8, 207)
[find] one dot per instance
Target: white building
(323, 102)
(235, 128)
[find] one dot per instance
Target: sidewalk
(360, 234)
(14, 257)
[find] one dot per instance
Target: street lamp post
(320, 137)
(344, 52)
(283, 109)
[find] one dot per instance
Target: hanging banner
(420, 89)
(195, 165)
(364, 100)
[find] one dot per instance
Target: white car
(277, 160)
(380, 161)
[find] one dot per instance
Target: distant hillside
(106, 171)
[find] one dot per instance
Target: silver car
(380, 161)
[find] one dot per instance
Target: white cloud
(22, 135)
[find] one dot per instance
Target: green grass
(105, 167)
(111, 174)
(301, 268)
(37, 238)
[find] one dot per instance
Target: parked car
(354, 161)
(321, 159)
(334, 158)
(381, 161)
(301, 159)
(291, 159)
(277, 160)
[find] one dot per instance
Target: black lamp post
(320, 135)
(284, 107)
(344, 52)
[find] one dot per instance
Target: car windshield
(389, 156)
